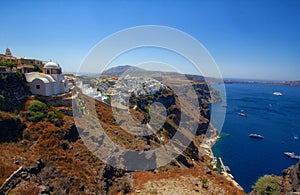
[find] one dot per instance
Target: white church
(50, 82)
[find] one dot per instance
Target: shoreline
(206, 148)
(277, 83)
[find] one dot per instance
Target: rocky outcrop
(19, 174)
(13, 91)
(12, 181)
(11, 127)
(72, 134)
(291, 179)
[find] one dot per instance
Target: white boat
(277, 93)
(292, 155)
(295, 137)
(253, 135)
(241, 113)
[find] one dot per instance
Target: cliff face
(291, 179)
(13, 94)
(68, 167)
(13, 91)
(287, 183)
(11, 128)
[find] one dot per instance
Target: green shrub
(8, 64)
(18, 74)
(37, 111)
(51, 116)
(37, 69)
(37, 106)
(55, 117)
(204, 182)
(36, 116)
(267, 185)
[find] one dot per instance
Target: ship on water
(241, 113)
(277, 93)
(253, 135)
(292, 155)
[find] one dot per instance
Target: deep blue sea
(277, 118)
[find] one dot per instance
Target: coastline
(248, 81)
(206, 147)
(266, 116)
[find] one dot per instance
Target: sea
(277, 118)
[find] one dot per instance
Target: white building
(48, 83)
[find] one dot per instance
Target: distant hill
(118, 70)
(133, 70)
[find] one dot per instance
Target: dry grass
(6, 171)
(28, 189)
(183, 180)
(74, 165)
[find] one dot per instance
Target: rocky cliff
(291, 179)
(287, 183)
(68, 167)
(13, 91)
(11, 127)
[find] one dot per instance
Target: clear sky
(248, 39)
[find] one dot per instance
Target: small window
(38, 87)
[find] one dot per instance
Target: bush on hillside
(55, 117)
(18, 74)
(266, 185)
(37, 111)
(8, 64)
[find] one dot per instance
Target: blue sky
(247, 39)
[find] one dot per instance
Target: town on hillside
(44, 78)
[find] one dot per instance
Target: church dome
(51, 65)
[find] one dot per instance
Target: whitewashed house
(50, 82)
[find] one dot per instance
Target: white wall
(43, 90)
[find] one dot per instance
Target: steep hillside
(291, 179)
(11, 127)
(288, 183)
(13, 91)
(51, 158)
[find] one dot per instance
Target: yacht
(292, 155)
(253, 135)
(277, 93)
(241, 113)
